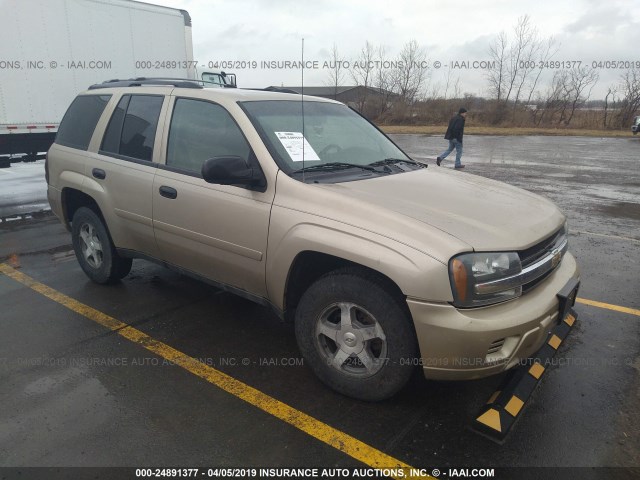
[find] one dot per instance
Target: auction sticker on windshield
(297, 146)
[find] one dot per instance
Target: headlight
(469, 269)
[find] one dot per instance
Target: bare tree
(411, 75)
(498, 51)
(513, 63)
(548, 49)
(570, 90)
(384, 81)
(336, 71)
(563, 90)
(581, 82)
(606, 119)
(630, 91)
(555, 100)
(524, 45)
(434, 92)
(538, 112)
(456, 88)
(362, 72)
(450, 83)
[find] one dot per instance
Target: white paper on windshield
(293, 143)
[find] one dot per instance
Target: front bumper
(467, 344)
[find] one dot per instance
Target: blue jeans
(454, 143)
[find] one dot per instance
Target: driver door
(216, 231)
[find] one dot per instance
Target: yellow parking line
(321, 431)
(609, 306)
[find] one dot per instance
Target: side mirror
(231, 170)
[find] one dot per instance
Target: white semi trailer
(52, 49)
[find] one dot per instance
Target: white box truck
(52, 49)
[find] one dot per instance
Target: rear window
(80, 120)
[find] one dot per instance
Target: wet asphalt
(75, 394)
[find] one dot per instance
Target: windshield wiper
(391, 161)
(329, 166)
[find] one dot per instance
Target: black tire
(372, 307)
(94, 249)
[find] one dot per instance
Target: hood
(486, 214)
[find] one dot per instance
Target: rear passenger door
(124, 169)
(217, 231)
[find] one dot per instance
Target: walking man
(455, 130)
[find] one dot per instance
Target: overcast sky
(258, 30)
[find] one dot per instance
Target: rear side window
(80, 120)
(132, 128)
(111, 140)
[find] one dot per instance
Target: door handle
(99, 173)
(168, 192)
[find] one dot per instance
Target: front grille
(538, 251)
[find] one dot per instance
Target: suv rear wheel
(94, 250)
(355, 335)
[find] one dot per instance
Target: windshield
(334, 139)
(215, 79)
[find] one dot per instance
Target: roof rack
(140, 81)
(280, 90)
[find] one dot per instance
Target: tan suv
(306, 207)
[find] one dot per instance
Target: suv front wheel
(355, 335)
(94, 250)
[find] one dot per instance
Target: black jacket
(455, 129)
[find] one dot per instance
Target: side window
(201, 130)
(132, 128)
(80, 120)
(111, 140)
